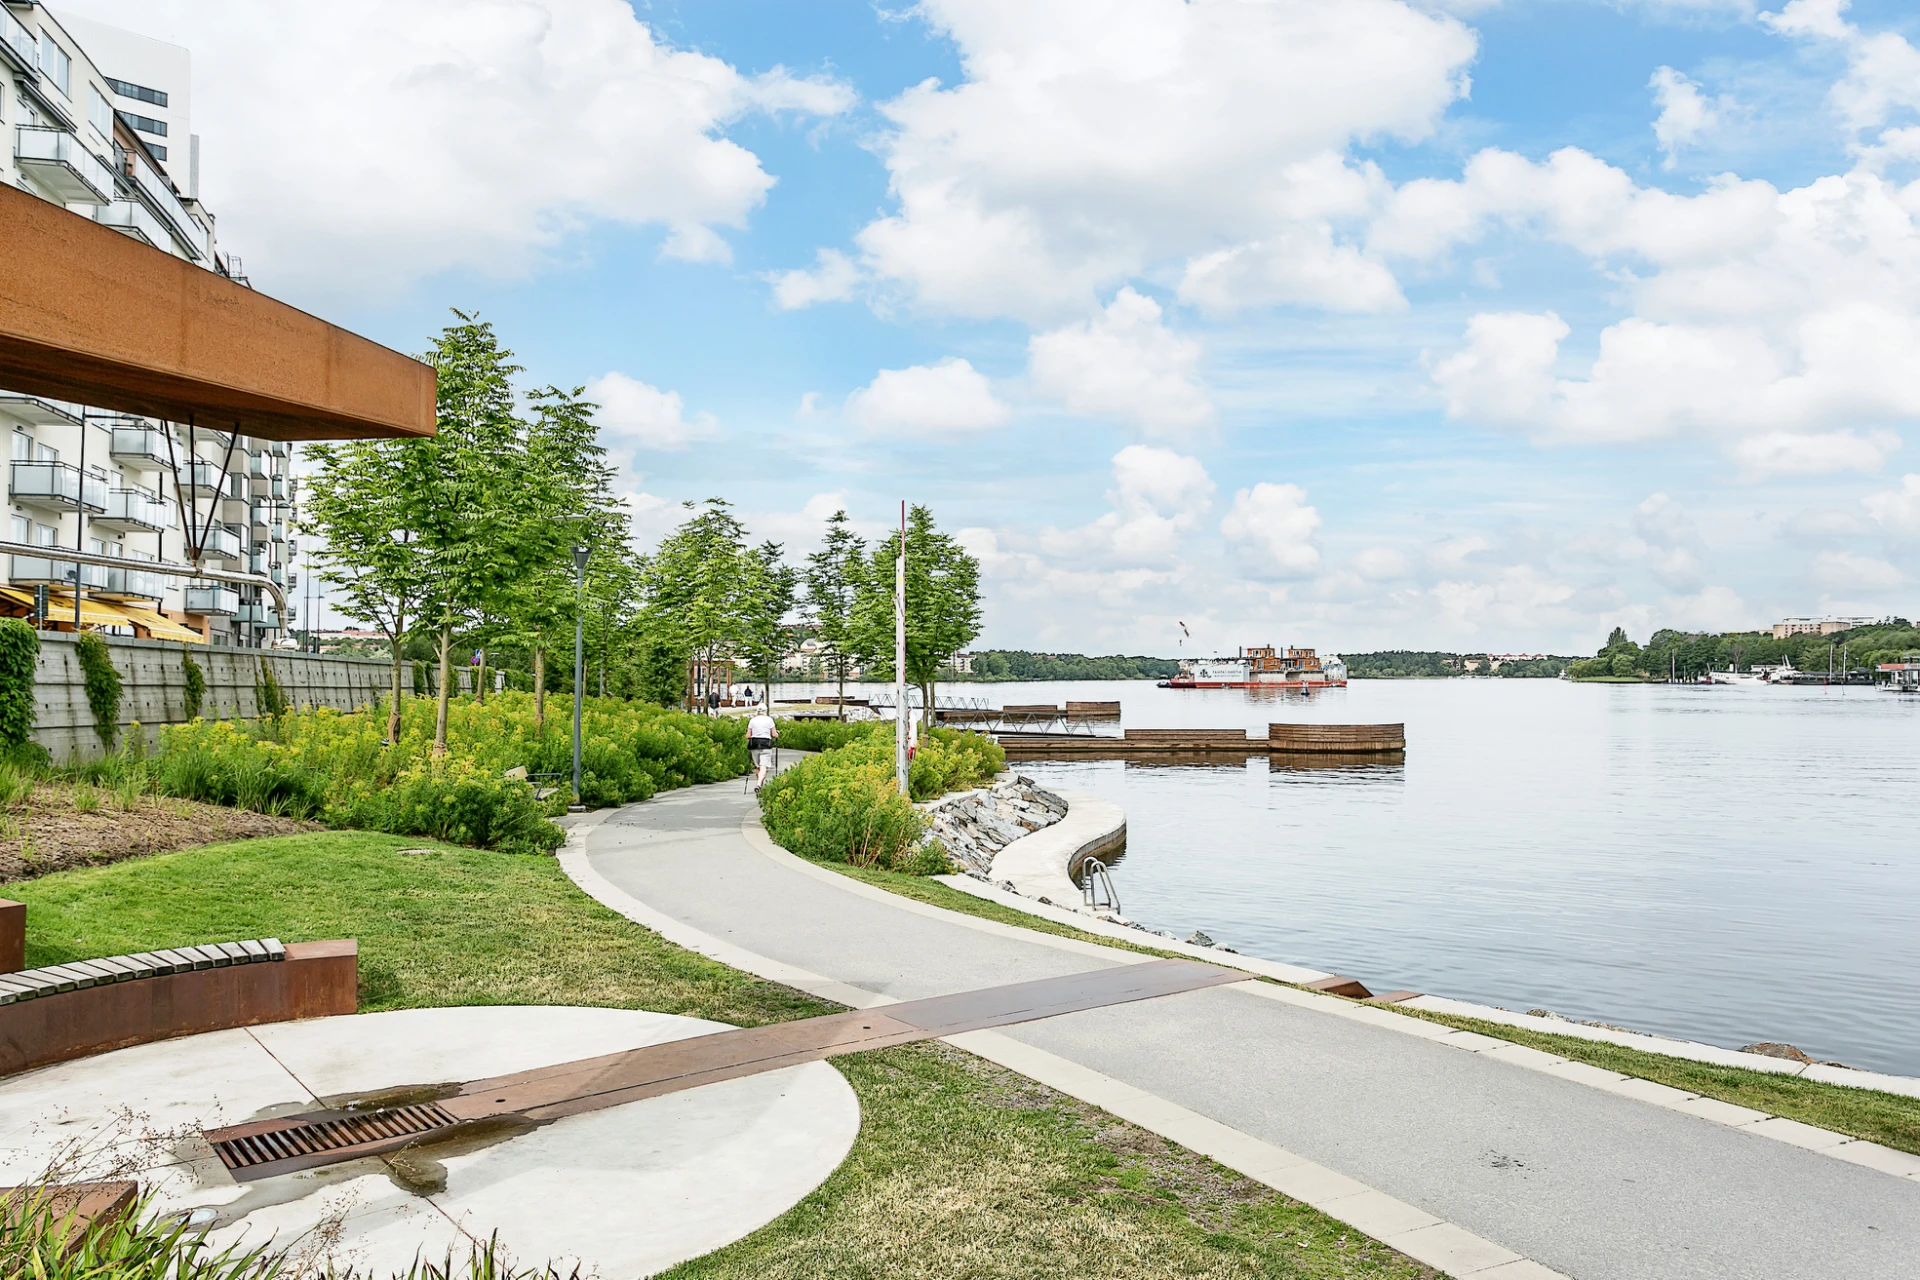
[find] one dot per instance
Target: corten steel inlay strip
(569, 1088)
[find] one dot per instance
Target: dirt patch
(61, 825)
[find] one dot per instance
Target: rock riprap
(972, 826)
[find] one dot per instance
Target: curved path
(1479, 1162)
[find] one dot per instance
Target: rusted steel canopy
(90, 315)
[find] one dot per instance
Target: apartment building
(1817, 626)
(97, 121)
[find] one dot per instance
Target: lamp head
(580, 555)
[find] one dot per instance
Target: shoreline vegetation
(1688, 656)
(960, 1167)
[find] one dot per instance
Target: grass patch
(960, 1169)
(1886, 1118)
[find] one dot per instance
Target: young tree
(833, 586)
(943, 604)
(770, 589)
(471, 497)
(696, 587)
(356, 502)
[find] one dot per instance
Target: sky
(1357, 325)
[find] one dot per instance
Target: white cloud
(1125, 364)
(1843, 571)
(1673, 546)
(1089, 140)
(1277, 526)
(637, 415)
(1897, 510)
(361, 146)
(833, 278)
(1685, 113)
(947, 398)
(1381, 564)
(1158, 498)
(1763, 311)
(1783, 453)
(1709, 609)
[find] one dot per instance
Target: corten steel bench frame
(60, 1012)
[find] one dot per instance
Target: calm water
(1722, 864)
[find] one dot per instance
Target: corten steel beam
(90, 315)
(263, 1148)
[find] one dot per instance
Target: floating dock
(1344, 740)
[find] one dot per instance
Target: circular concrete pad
(624, 1192)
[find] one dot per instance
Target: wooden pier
(1343, 740)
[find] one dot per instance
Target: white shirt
(761, 726)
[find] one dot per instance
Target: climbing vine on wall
(268, 695)
(19, 648)
(103, 684)
(196, 683)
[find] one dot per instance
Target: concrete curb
(1412, 1231)
(1041, 864)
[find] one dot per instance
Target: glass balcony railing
(201, 479)
(56, 486)
(154, 189)
(34, 570)
(257, 465)
(260, 615)
(57, 160)
(278, 487)
(133, 584)
(140, 444)
(17, 43)
(206, 598)
(130, 217)
(222, 544)
(135, 509)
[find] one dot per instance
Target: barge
(1261, 667)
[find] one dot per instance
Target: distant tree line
(1019, 664)
(1689, 655)
(1412, 664)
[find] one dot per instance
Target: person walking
(761, 732)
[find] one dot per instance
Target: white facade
(110, 483)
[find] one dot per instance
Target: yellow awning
(161, 628)
(93, 613)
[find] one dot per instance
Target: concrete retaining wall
(153, 687)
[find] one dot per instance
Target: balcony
(35, 412)
(279, 531)
(222, 544)
(257, 465)
(131, 218)
(56, 486)
(257, 562)
(144, 446)
(200, 479)
(58, 162)
(277, 486)
(279, 448)
(262, 519)
(205, 598)
(278, 575)
(34, 570)
(157, 195)
(260, 615)
(132, 584)
(17, 45)
(135, 510)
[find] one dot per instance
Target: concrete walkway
(1517, 1162)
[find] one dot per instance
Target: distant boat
(1261, 667)
(1782, 674)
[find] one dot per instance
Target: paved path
(1589, 1183)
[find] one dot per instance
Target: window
(45, 452)
(55, 62)
(46, 535)
(100, 112)
(125, 89)
(145, 124)
(22, 446)
(22, 529)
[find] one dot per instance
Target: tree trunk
(926, 708)
(840, 669)
(540, 684)
(446, 686)
(480, 680)
(393, 710)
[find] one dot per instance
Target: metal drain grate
(261, 1150)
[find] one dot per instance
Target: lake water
(1721, 864)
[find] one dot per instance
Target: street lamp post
(580, 555)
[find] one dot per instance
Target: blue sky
(1359, 325)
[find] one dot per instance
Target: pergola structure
(99, 318)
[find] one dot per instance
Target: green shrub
(103, 684)
(19, 654)
(196, 683)
(268, 696)
(454, 800)
(843, 805)
(825, 735)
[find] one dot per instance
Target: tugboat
(1261, 667)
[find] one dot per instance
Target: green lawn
(961, 1169)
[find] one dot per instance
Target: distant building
(962, 664)
(1817, 626)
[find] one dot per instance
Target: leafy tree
(697, 587)
(357, 503)
(771, 587)
(472, 498)
(833, 587)
(943, 604)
